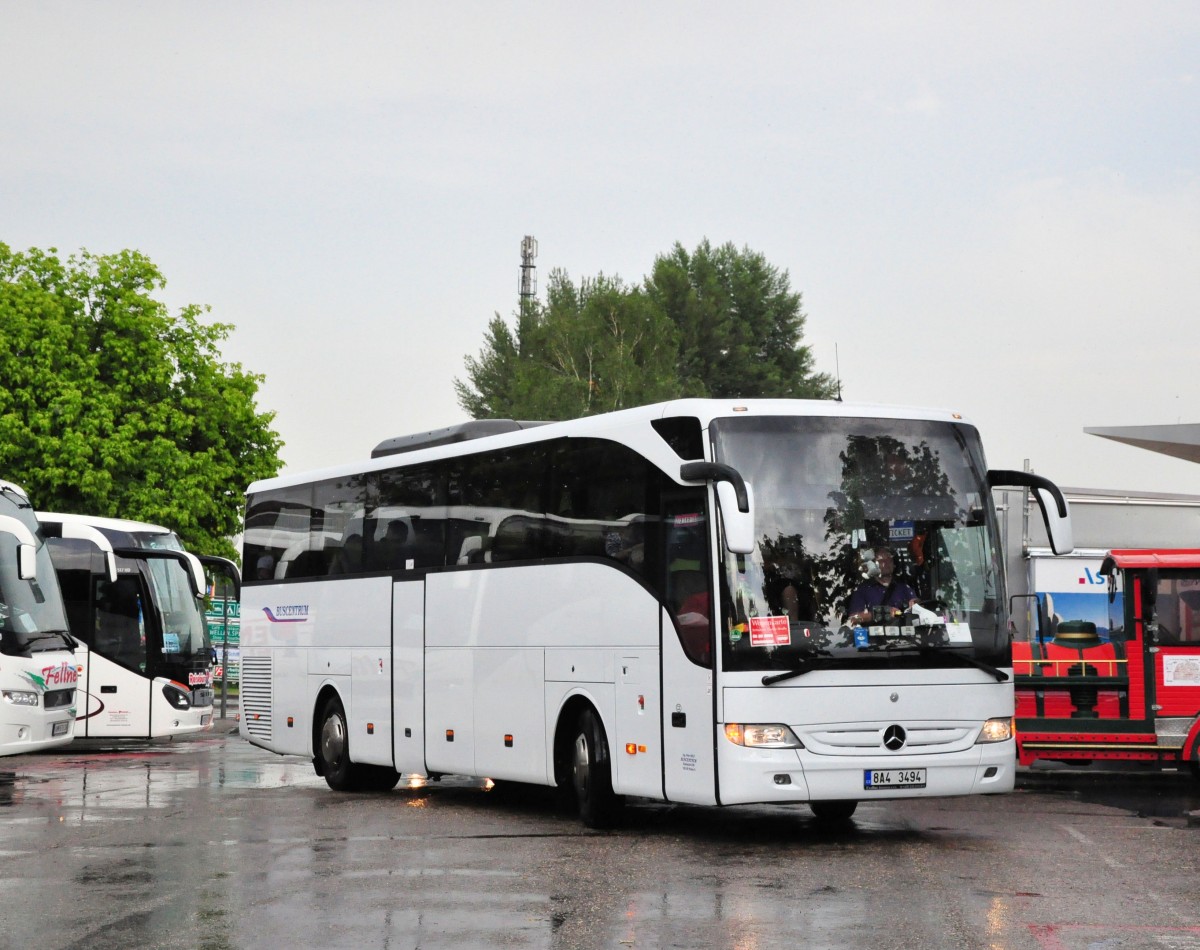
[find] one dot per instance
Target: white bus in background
(134, 600)
(37, 663)
(646, 603)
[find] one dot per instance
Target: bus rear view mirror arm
(734, 497)
(1055, 511)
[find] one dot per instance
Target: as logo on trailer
(1091, 577)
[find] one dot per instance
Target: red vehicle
(1128, 690)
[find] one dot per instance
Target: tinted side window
(276, 543)
(339, 506)
(501, 493)
(406, 528)
(603, 499)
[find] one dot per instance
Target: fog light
(996, 730)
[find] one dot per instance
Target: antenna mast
(528, 284)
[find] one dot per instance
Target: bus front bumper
(798, 775)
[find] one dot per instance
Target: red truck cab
(1126, 691)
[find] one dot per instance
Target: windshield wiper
(999, 674)
(63, 635)
(808, 664)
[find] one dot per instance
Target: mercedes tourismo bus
(649, 603)
(37, 663)
(134, 600)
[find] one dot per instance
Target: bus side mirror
(83, 532)
(26, 562)
(196, 573)
(222, 567)
(739, 525)
(734, 499)
(1055, 512)
(26, 547)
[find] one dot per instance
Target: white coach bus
(37, 662)
(133, 598)
(654, 602)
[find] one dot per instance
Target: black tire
(591, 773)
(332, 753)
(332, 750)
(377, 778)
(833, 811)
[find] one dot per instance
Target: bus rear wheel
(591, 773)
(833, 811)
(333, 756)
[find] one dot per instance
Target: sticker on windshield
(770, 632)
(170, 643)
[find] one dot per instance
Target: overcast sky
(988, 208)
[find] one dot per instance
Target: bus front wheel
(591, 773)
(333, 756)
(833, 811)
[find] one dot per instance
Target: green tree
(715, 322)
(595, 347)
(740, 325)
(109, 405)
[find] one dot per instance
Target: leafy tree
(111, 406)
(740, 324)
(591, 348)
(715, 322)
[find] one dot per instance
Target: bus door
(117, 691)
(1175, 654)
(408, 676)
(689, 718)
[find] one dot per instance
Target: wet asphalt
(211, 843)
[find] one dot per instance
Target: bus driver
(882, 590)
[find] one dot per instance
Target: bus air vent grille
(256, 695)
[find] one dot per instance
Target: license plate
(60, 728)
(893, 778)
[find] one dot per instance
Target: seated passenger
(390, 549)
(786, 593)
(883, 590)
(348, 559)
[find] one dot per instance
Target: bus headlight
(20, 697)
(177, 697)
(762, 735)
(996, 730)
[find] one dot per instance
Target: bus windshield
(31, 618)
(184, 630)
(876, 544)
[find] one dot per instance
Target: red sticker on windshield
(770, 632)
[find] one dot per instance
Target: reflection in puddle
(100, 783)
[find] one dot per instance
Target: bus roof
(13, 487)
(1176, 558)
(597, 426)
(112, 524)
